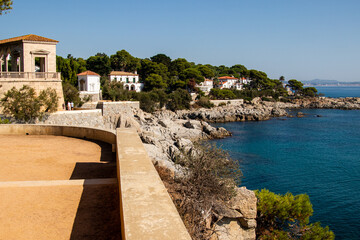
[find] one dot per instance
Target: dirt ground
(30, 158)
(84, 204)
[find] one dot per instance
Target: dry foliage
(210, 178)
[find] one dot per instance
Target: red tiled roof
(121, 73)
(29, 37)
(226, 77)
(88, 73)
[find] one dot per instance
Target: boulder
(256, 101)
(244, 202)
(188, 124)
(230, 229)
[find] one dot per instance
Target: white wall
(122, 78)
(92, 83)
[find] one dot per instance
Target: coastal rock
(256, 101)
(231, 229)
(300, 114)
(188, 124)
(244, 202)
(238, 217)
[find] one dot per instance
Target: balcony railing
(31, 75)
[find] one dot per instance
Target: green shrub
(205, 102)
(221, 94)
(178, 100)
(4, 121)
(49, 100)
(287, 213)
(24, 105)
(147, 103)
(71, 94)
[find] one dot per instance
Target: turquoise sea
(319, 156)
(339, 91)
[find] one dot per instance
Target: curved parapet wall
(59, 130)
(147, 210)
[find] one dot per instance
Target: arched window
(133, 87)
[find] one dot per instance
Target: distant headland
(322, 82)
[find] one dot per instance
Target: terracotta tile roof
(121, 73)
(226, 77)
(29, 37)
(88, 73)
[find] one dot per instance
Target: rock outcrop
(349, 103)
(238, 219)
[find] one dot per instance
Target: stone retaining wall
(228, 102)
(37, 84)
(88, 118)
(114, 108)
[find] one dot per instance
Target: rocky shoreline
(165, 134)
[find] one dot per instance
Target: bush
(204, 102)
(288, 214)
(178, 100)
(147, 103)
(49, 100)
(210, 178)
(71, 94)
(5, 121)
(24, 105)
(222, 94)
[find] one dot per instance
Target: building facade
(89, 85)
(206, 85)
(130, 80)
(29, 60)
(229, 82)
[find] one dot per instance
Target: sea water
(318, 154)
(339, 91)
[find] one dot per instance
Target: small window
(133, 80)
(127, 80)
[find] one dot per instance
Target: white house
(206, 85)
(230, 82)
(245, 80)
(89, 85)
(130, 80)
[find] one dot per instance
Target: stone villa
(29, 60)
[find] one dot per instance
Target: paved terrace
(55, 187)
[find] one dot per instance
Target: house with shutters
(130, 80)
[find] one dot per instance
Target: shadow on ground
(98, 214)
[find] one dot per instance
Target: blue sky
(301, 39)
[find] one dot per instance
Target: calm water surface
(336, 92)
(319, 156)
